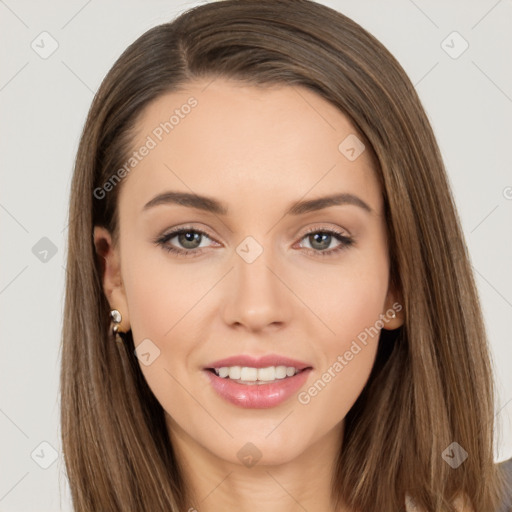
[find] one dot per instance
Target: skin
(257, 150)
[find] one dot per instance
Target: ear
(394, 302)
(111, 275)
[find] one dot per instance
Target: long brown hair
(431, 384)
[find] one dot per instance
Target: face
(257, 275)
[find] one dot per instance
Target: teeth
(248, 374)
(267, 374)
(290, 371)
(222, 372)
(234, 372)
(280, 372)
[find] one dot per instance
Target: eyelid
(326, 227)
(203, 231)
(345, 240)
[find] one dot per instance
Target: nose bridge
(257, 297)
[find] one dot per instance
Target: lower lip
(257, 396)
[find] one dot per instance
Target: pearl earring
(114, 324)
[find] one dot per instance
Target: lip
(257, 396)
(258, 362)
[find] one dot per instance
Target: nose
(258, 295)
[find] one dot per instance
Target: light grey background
(43, 107)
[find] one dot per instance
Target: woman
(269, 301)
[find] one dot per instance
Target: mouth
(249, 392)
(256, 376)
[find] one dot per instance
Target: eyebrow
(211, 205)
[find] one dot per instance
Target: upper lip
(259, 362)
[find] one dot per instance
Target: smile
(250, 392)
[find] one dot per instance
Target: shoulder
(506, 503)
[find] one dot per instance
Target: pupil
(323, 237)
(189, 237)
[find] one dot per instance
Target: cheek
(158, 291)
(353, 309)
(157, 308)
(349, 297)
(335, 388)
(347, 358)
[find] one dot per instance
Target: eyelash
(346, 242)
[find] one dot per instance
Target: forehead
(224, 138)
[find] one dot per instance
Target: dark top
(506, 504)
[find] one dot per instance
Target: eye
(188, 237)
(320, 239)
(190, 240)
